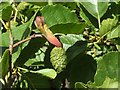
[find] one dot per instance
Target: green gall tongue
(58, 59)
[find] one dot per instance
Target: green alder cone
(58, 59)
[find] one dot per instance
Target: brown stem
(11, 46)
(27, 39)
(10, 58)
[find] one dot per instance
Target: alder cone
(58, 59)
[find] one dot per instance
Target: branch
(10, 57)
(4, 24)
(27, 39)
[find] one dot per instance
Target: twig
(27, 39)
(10, 56)
(4, 24)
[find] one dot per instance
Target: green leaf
(76, 49)
(17, 36)
(94, 7)
(29, 51)
(69, 28)
(109, 83)
(16, 52)
(107, 26)
(3, 5)
(58, 59)
(6, 13)
(36, 80)
(8, 1)
(87, 17)
(79, 85)
(70, 39)
(116, 41)
(58, 14)
(33, 62)
(19, 33)
(114, 33)
(38, 60)
(5, 63)
(39, 3)
(70, 5)
(81, 69)
(22, 6)
(47, 72)
(24, 34)
(118, 47)
(107, 67)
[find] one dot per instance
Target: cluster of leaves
(88, 31)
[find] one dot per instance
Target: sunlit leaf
(94, 7)
(47, 72)
(5, 63)
(19, 33)
(58, 14)
(70, 39)
(114, 33)
(107, 26)
(107, 67)
(79, 85)
(21, 6)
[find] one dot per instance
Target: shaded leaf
(38, 60)
(70, 5)
(7, 16)
(69, 28)
(76, 49)
(81, 69)
(87, 17)
(38, 81)
(29, 51)
(16, 52)
(3, 5)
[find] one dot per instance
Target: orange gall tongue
(39, 21)
(53, 40)
(47, 33)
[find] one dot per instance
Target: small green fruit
(58, 59)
